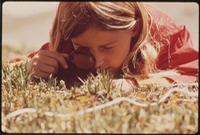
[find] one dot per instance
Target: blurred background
(26, 25)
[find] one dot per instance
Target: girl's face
(110, 48)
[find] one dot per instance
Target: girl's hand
(125, 85)
(45, 63)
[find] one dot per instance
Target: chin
(112, 70)
(116, 72)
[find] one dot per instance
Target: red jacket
(177, 51)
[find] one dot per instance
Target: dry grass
(97, 106)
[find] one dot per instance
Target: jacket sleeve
(181, 56)
(44, 47)
(176, 51)
(31, 55)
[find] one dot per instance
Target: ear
(136, 28)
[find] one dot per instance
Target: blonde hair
(73, 18)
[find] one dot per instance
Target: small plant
(97, 106)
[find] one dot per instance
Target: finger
(65, 55)
(60, 58)
(49, 61)
(44, 72)
(41, 74)
(46, 67)
(49, 70)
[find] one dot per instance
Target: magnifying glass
(82, 58)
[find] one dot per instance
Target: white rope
(99, 107)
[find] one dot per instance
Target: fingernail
(66, 66)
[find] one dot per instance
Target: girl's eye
(107, 47)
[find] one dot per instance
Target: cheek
(117, 57)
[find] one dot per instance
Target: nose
(99, 60)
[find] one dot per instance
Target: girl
(127, 38)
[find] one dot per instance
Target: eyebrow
(99, 45)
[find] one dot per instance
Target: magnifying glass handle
(72, 74)
(68, 75)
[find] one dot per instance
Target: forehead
(93, 32)
(98, 37)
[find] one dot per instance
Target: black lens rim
(82, 51)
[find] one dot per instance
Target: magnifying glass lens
(83, 61)
(82, 58)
